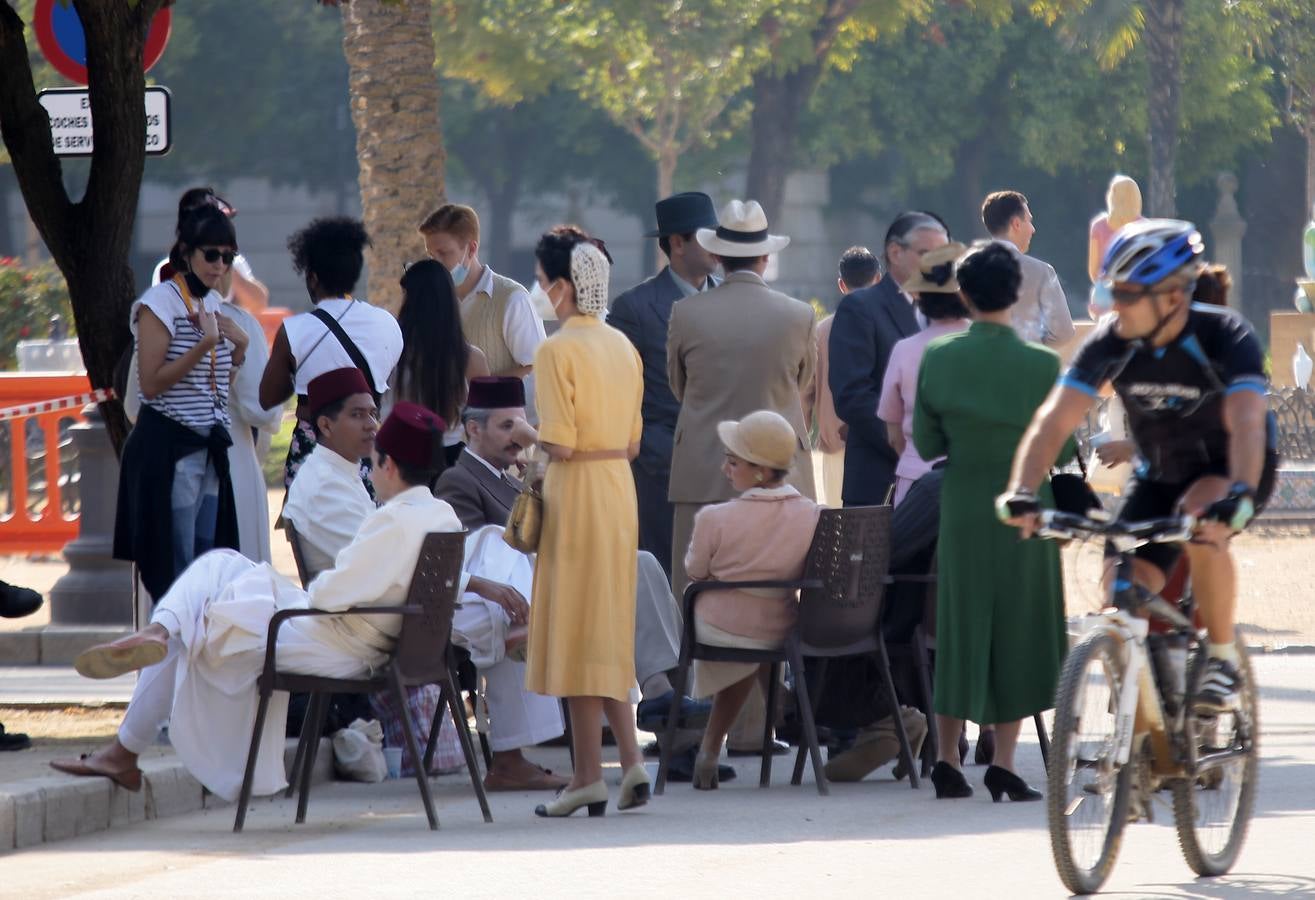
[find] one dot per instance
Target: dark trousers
(655, 516)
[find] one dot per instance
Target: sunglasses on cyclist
(212, 254)
(1127, 296)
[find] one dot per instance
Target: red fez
(413, 435)
(495, 392)
(334, 385)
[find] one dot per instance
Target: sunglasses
(212, 254)
(1131, 296)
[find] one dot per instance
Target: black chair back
(294, 541)
(421, 656)
(849, 556)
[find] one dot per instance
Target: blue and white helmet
(1148, 251)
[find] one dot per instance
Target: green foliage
(28, 299)
(935, 89)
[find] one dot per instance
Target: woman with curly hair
(341, 331)
(582, 616)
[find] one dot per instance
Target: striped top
(195, 401)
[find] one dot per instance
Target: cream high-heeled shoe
(706, 768)
(593, 796)
(635, 789)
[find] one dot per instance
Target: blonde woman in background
(1122, 205)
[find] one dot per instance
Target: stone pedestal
(1227, 228)
(97, 590)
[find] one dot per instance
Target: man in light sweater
(496, 313)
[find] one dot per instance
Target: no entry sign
(62, 42)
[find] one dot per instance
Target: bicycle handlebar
(1062, 526)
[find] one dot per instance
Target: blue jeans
(195, 507)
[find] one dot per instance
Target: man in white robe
(204, 648)
(326, 504)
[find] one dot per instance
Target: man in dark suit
(867, 325)
(643, 314)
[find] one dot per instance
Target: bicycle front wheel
(1087, 788)
(1213, 810)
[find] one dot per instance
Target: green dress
(1000, 635)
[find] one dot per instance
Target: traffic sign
(70, 120)
(63, 43)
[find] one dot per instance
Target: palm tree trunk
(399, 141)
(1164, 29)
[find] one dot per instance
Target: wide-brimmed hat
(742, 232)
(763, 438)
(684, 213)
(935, 273)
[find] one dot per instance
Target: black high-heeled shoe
(1001, 781)
(963, 748)
(949, 782)
(984, 755)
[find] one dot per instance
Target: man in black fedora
(643, 313)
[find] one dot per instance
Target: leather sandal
(128, 779)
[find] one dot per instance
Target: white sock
(1227, 652)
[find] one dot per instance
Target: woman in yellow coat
(589, 383)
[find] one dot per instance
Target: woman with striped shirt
(175, 495)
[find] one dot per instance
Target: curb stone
(58, 807)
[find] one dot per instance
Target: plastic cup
(393, 759)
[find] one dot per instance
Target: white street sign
(70, 120)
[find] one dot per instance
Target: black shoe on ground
(16, 602)
(779, 748)
(1218, 693)
(13, 741)
(651, 714)
(681, 767)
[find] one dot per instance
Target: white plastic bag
(358, 752)
(1109, 479)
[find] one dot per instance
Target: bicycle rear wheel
(1213, 810)
(1087, 788)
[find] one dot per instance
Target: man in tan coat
(731, 351)
(735, 349)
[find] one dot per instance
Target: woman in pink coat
(762, 535)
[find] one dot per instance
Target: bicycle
(1125, 728)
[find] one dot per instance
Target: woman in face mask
(340, 331)
(436, 363)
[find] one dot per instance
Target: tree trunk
(89, 240)
(1164, 29)
(778, 101)
(666, 171)
(1309, 132)
(399, 143)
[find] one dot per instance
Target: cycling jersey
(1174, 395)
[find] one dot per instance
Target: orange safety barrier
(270, 320)
(32, 515)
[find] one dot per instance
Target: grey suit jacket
(478, 496)
(733, 350)
(1041, 314)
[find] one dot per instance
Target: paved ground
(370, 840)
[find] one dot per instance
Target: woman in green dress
(1000, 607)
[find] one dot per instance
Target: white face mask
(541, 299)
(459, 273)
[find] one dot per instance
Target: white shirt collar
(776, 493)
(333, 460)
(484, 285)
(483, 462)
(686, 288)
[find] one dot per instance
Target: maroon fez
(495, 392)
(413, 435)
(334, 385)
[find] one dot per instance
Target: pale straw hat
(742, 232)
(935, 273)
(763, 438)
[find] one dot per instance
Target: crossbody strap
(358, 358)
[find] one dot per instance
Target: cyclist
(1192, 380)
